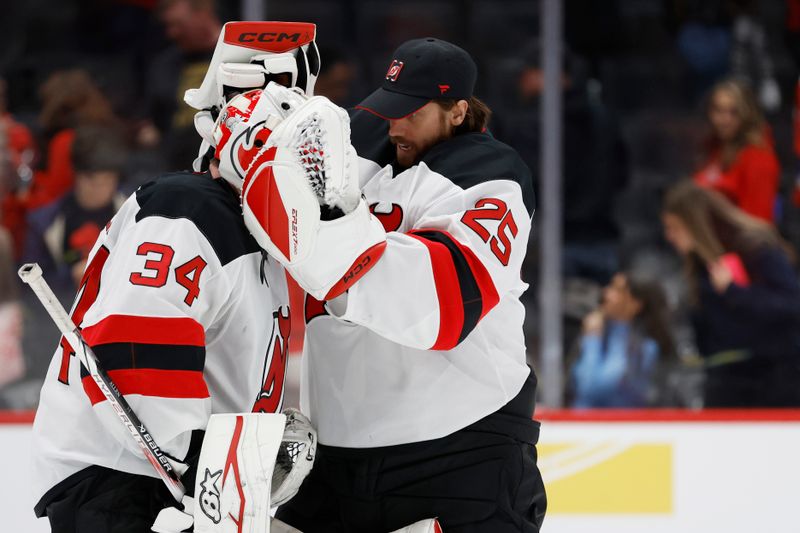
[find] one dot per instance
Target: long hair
(653, 318)
(70, 97)
(717, 226)
(753, 125)
(476, 119)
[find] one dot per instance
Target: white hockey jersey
(430, 340)
(186, 316)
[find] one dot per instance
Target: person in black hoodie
(745, 299)
(594, 157)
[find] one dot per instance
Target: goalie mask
(248, 56)
(244, 125)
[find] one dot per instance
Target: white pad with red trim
(307, 162)
(234, 474)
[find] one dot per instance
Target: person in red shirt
(70, 98)
(740, 159)
(17, 152)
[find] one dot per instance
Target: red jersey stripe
(466, 267)
(448, 291)
(151, 382)
(482, 277)
(183, 331)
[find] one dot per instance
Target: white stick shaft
(31, 274)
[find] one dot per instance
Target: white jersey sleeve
(455, 245)
(429, 340)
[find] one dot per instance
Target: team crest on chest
(390, 215)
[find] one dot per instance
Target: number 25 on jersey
(493, 209)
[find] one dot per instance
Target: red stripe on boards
(182, 331)
(151, 382)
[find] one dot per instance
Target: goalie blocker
(302, 204)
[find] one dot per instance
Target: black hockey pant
(475, 481)
(108, 501)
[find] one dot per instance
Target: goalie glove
(302, 204)
(295, 457)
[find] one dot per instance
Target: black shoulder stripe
(471, 298)
(211, 205)
(127, 355)
(370, 137)
(474, 158)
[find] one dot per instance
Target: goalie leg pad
(234, 473)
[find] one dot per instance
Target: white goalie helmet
(295, 457)
(248, 56)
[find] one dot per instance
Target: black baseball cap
(422, 70)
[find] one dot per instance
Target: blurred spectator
(17, 152)
(69, 99)
(703, 38)
(739, 157)
(12, 364)
(745, 304)
(16, 144)
(595, 162)
(622, 344)
(750, 59)
(61, 234)
(336, 76)
(193, 27)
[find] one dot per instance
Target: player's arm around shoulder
(457, 254)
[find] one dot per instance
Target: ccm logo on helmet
(268, 37)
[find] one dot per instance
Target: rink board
(606, 472)
(623, 472)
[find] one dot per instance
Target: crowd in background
(679, 159)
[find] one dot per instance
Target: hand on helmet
(302, 203)
(244, 125)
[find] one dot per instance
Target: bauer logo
(394, 70)
(209, 496)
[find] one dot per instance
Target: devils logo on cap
(394, 70)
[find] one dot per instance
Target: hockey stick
(31, 274)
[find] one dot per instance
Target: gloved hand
(302, 203)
